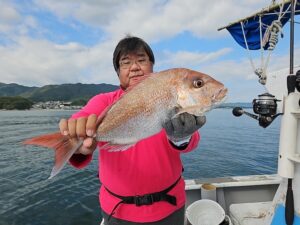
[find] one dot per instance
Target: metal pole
(289, 201)
(292, 37)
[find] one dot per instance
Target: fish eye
(198, 83)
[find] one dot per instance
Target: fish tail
(63, 146)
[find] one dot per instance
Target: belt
(147, 199)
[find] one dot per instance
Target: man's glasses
(127, 63)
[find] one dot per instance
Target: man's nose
(135, 66)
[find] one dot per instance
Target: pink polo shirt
(151, 165)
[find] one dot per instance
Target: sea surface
(229, 146)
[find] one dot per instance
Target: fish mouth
(220, 96)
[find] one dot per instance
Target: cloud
(40, 62)
(9, 16)
(156, 21)
(153, 19)
(13, 23)
(190, 59)
(93, 12)
(279, 62)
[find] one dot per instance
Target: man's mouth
(136, 77)
(135, 74)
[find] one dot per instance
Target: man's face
(133, 67)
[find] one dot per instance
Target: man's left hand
(183, 126)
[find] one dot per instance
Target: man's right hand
(81, 128)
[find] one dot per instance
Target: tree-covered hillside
(63, 92)
(17, 102)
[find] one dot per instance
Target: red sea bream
(142, 111)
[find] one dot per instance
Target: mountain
(9, 90)
(63, 92)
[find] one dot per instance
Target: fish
(142, 111)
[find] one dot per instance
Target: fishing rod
(291, 85)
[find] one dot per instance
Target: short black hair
(130, 44)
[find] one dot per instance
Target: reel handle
(238, 111)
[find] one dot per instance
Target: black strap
(147, 199)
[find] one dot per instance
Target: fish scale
(143, 97)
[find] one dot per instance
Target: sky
(61, 41)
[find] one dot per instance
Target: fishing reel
(265, 106)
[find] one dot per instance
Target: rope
(261, 47)
(261, 72)
(275, 28)
(270, 37)
(248, 51)
(272, 32)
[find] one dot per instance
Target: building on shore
(55, 105)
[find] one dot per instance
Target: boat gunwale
(234, 181)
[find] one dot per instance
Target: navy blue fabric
(252, 30)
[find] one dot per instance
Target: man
(142, 185)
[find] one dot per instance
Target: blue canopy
(252, 25)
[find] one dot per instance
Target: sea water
(229, 146)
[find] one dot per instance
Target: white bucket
(205, 212)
